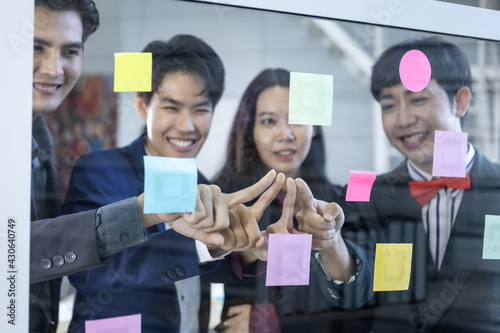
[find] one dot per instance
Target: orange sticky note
(392, 267)
(133, 71)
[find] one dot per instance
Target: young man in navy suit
(188, 80)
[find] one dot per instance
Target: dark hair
(449, 65)
(86, 9)
(188, 54)
(242, 157)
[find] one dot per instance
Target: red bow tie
(424, 190)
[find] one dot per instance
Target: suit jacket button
(70, 257)
(179, 271)
(164, 277)
(46, 263)
(171, 274)
(58, 260)
(124, 238)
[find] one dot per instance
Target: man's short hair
(186, 54)
(86, 9)
(449, 65)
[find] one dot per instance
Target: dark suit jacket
(139, 279)
(463, 296)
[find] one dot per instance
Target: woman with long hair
(261, 139)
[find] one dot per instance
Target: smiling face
(411, 119)
(281, 146)
(178, 116)
(57, 60)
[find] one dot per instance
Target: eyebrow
(266, 113)
(173, 101)
(77, 45)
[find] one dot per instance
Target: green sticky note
(392, 267)
(311, 99)
(133, 71)
(491, 245)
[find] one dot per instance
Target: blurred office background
(251, 40)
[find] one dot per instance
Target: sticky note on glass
(311, 99)
(450, 154)
(491, 244)
(133, 71)
(392, 267)
(288, 260)
(360, 185)
(123, 324)
(170, 184)
(415, 70)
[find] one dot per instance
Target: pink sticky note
(360, 185)
(450, 154)
(415, 70)
(288, 260)
(123, 324)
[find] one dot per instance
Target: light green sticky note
(133, 71)
(392, 267)
(311, 99)
(491, 244)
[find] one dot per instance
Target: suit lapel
(462, 254)
(135, 155)
(469, 219)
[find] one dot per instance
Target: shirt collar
(418, 174)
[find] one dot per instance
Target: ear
(142, 109)
(83, 50)
(462, 101)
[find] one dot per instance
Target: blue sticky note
(491, 245)
(170, 184)
(450, 154)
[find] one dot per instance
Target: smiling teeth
(49, 88)
(181, 143)
(414, 138)
(286, 153)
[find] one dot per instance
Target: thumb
(212, 238)
(286, 219)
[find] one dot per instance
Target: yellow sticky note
(392, 267)
(133, 71)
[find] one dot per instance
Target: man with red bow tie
(451, 288)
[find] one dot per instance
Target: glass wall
(454, 293)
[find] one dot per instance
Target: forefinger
(306, 196)
(251, 192)
(268, 196)
(288, 205)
